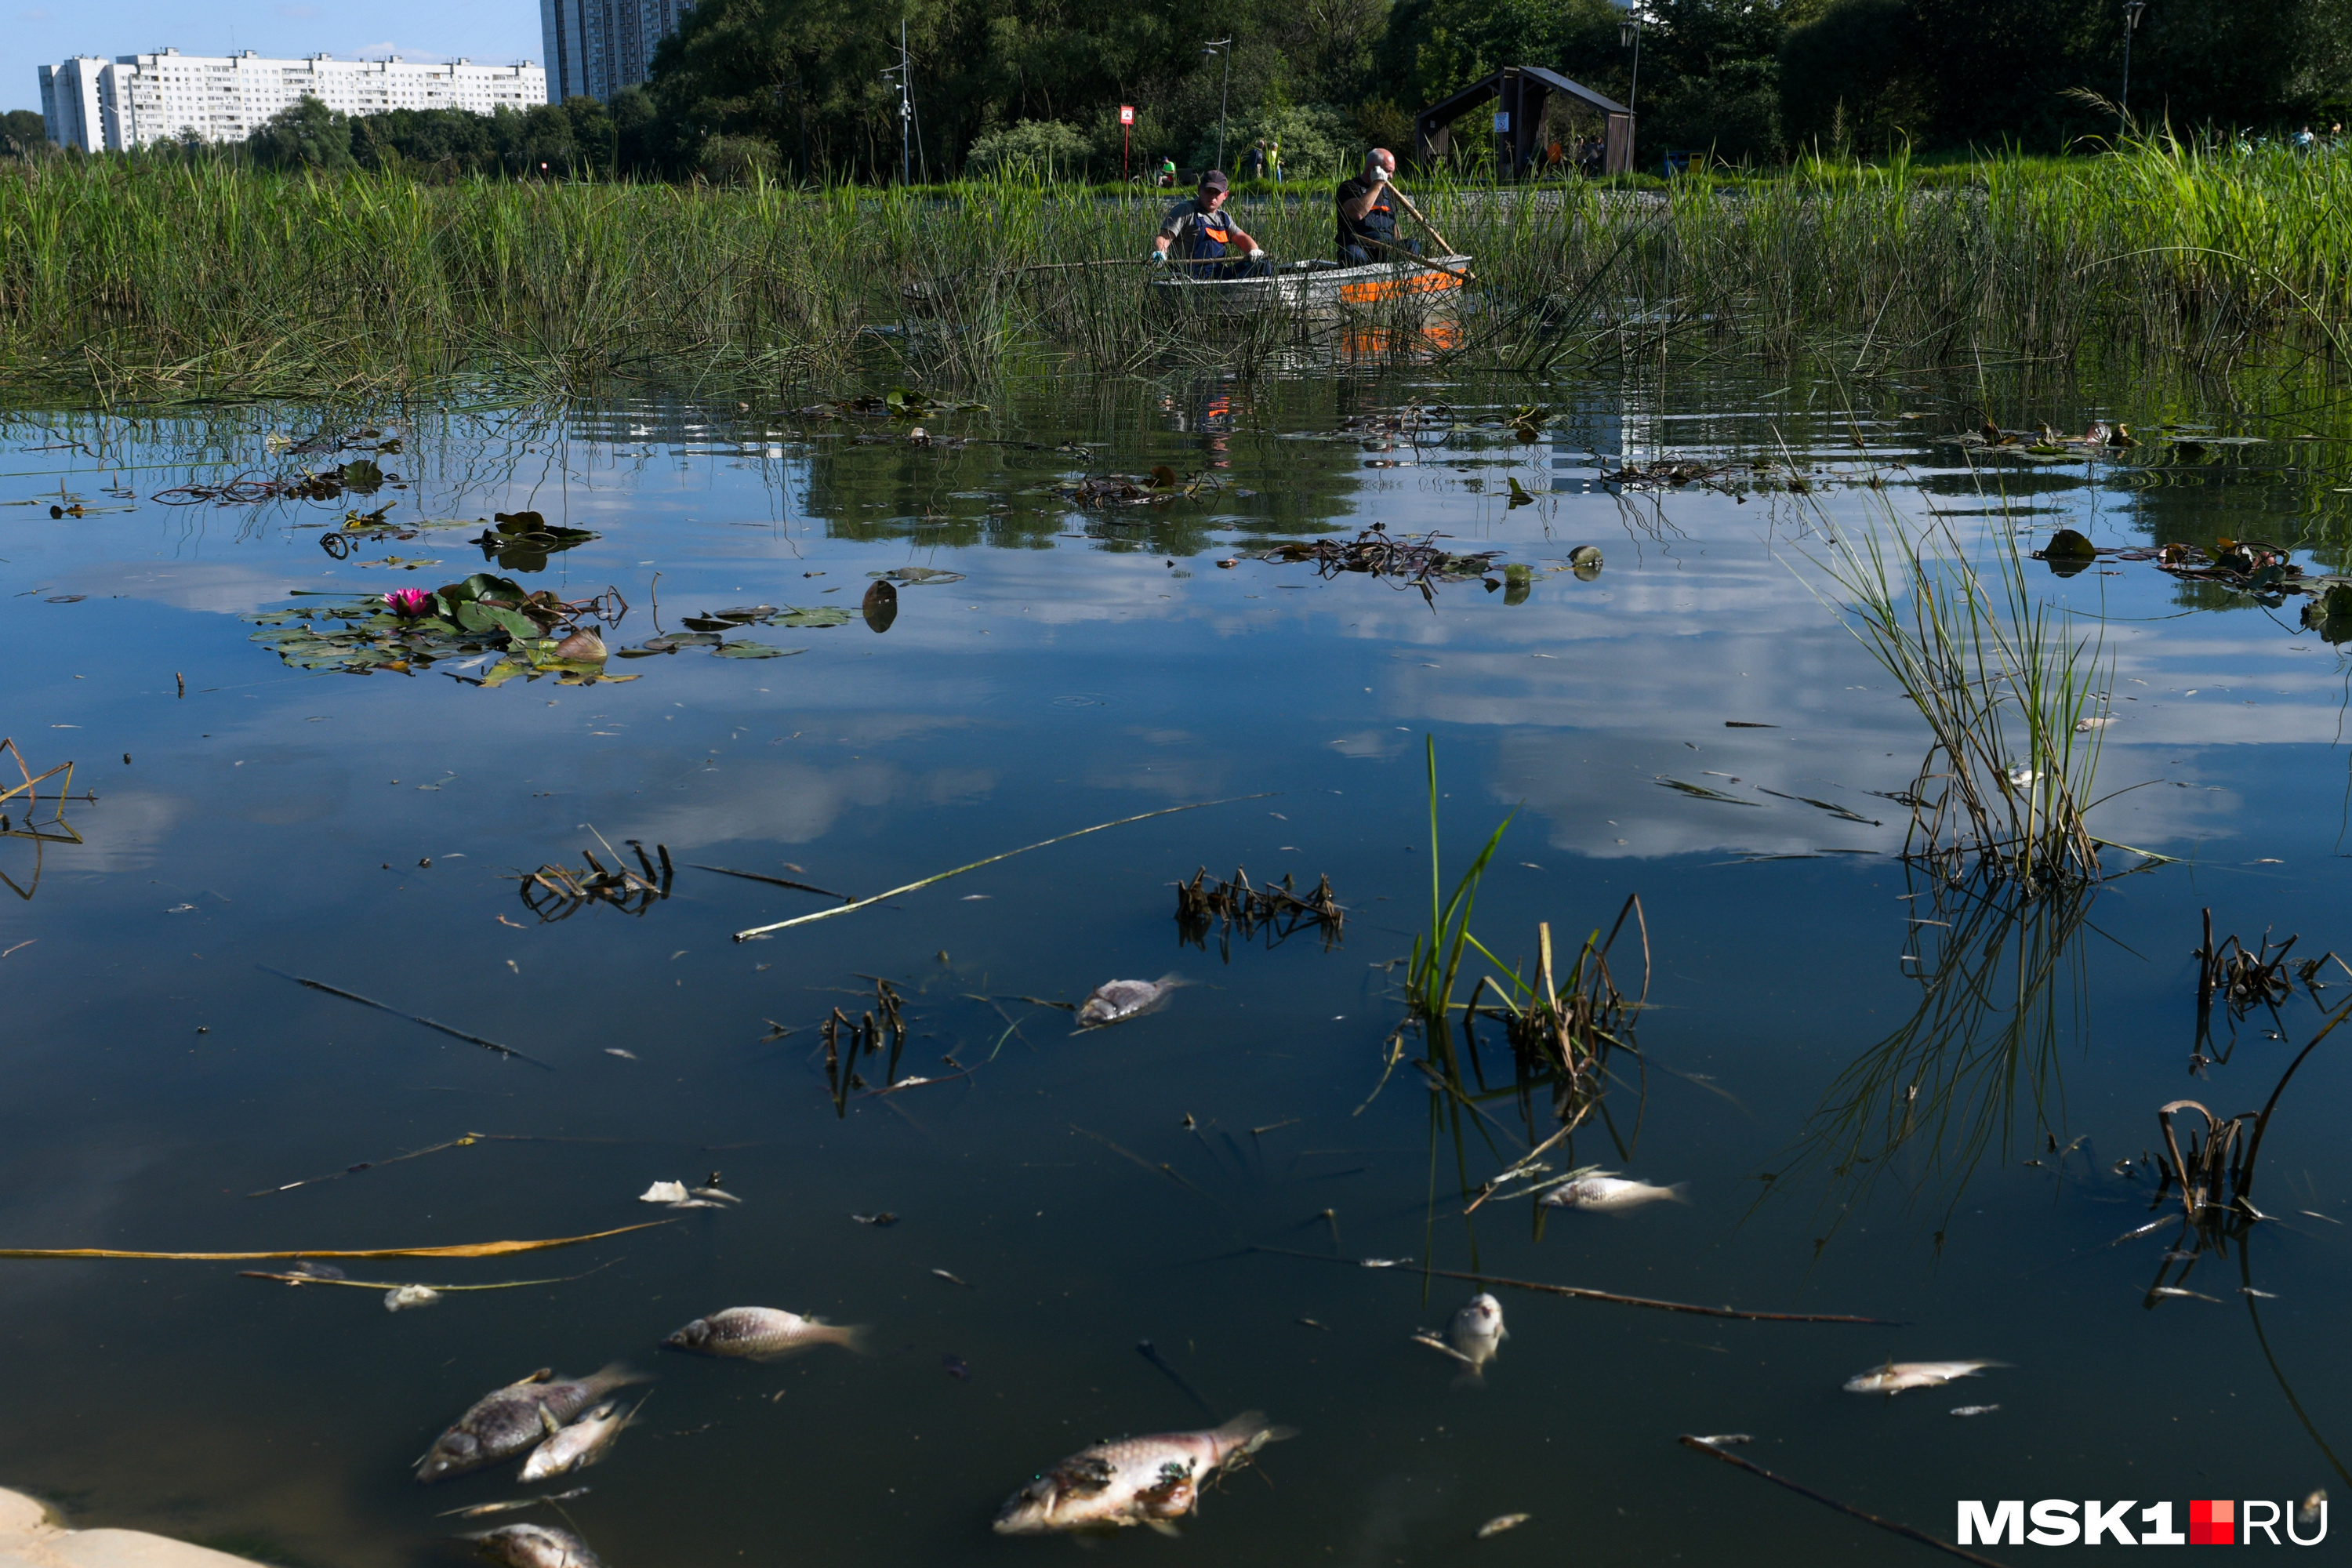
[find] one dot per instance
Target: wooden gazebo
(1521, 92)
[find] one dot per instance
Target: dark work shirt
(1378, 221)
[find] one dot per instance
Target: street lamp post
(1629, 36)
(2132, 8)
(1221, 46)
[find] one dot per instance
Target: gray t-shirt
(1186, 222)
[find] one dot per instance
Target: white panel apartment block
(137, 99)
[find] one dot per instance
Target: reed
(132, 274)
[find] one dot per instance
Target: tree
(1853, 73)
(304, 136)
(23, 134)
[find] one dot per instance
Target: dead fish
(1116, 1001)
(310, 1270)
(1135, 1481)
(721, 1193)
(1897, 1375)
(1974, 1409)
(882, 1221)
(502, 1424)
(1477, 1332)
(534, 1546)
(617, 1051)
(2313, 1506)
(762, 1334)
(1604, 1194)
(2258, 1295)
(2175, 1291)
(583, 1443)
(1501, 1522)
(407, 1296)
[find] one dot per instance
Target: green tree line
(794, 88)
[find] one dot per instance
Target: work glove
(1255, 254)
(1158, 258)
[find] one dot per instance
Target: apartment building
(596, 47)
(132, 101)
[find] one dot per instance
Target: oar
(1465, 275)
(1424, 218)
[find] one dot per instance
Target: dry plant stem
(1582, 1293)
(992, 860)
(467, 1249)
(399, 1284)
(412, 1017)
(1701, 1445)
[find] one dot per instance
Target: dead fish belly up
(762, 1334)
(1116, 1001)
(578, 1445)
(1603, 1193)
(1136, 1480)
(535, 1546)
(1478, 1333)
(502, 1424)
(1897, 1375)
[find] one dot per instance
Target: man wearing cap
(1200, 235)
(1368, 214)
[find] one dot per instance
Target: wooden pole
(1465, 275)
(1417, 212)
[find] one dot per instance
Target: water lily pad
(819, 615)
(914, 574)
(755, 650)
(361, 475)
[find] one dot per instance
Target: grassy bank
(211, 278)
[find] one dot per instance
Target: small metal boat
(1314, 286)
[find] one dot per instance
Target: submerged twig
(1587, 1294)
(1704, 1445)
(466, 1249)
(412, 1017)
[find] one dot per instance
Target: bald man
(1367, 211)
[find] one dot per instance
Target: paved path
(30, 1538)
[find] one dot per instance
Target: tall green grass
(161, 274)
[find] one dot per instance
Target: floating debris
(522, 541)
(1278, 907)
(400, 1298)
(1662, 474)
(1974, 1409)
(882, 1221)
(557, 892)
(1416, 562)
(412, 1017)
(847, 1040)
(478, 1510)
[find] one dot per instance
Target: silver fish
(1501, 1522)
(583, 1443)
(762, 1334)
(1605, 1194)
(504, 1422)
(1477, 1332)
(534, 1546)
(1974, 1409)
(1897, 1375)
(1116, 1001)
(1135, 1481)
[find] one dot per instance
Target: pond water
(1050, 667)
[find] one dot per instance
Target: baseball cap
(1215, 180)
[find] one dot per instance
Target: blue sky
(40, 32)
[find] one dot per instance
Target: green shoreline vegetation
(129, 277)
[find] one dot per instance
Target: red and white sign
(1126, 114)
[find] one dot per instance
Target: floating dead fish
(2177, 1292)
(1384, 1262)
(2258, 1295)
(1116, 1001)
(1604, 1194)
(407, 1296)
(2313, 1506)
(1974, 1409)
(1501, 1522)
(718, 1194)
(1478, 1333)
(505, 1422)
(1136, 1480)
(534, 1546)
(583, 1443)
(617, 1051)
(763, 1333)
(882, 1221)
(1725, 1439)
(310, 1270)
(952, 1280)
(1897, 1375)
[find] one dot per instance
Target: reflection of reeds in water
(2000, 984)
(2007, 689)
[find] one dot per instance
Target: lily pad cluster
(711, 629)
(409, 630)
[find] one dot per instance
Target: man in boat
(1202, 238)
(1367, 206)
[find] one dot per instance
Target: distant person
(2304, 140)
(1254, 162)
(1273, 159)
(1202, 238)
(1166, 180)
(1367, 213)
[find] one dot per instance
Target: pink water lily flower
(409, 604)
